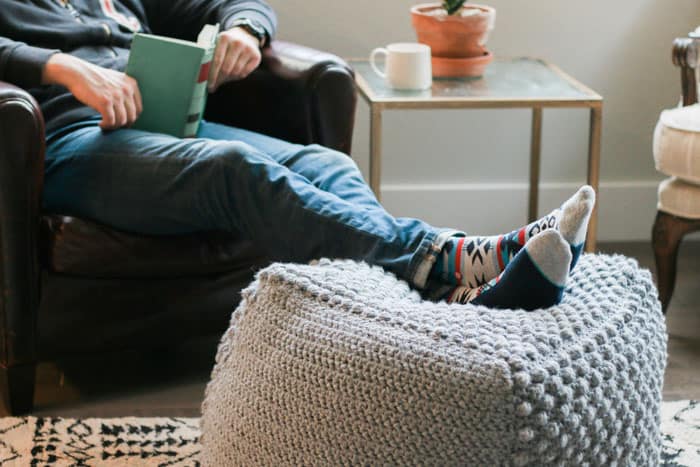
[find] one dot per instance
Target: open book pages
(208, 34)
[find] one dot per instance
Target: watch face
(256, 28)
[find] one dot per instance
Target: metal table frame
(592, 101)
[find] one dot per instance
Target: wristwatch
(253, 27)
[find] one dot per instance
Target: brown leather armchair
(69, 285)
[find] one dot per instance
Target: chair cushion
(679, 198)
(83, 248)
(677, 143)
(341, 363)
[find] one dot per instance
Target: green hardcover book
(172, 75)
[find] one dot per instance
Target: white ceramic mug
(407, 67)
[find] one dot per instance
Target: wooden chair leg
(667, 234)
(17, 386)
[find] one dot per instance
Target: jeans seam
(430, 248)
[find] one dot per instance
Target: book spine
(199, 97)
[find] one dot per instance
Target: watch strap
(252, 27)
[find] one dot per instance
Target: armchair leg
(667, 234)
(17, 386)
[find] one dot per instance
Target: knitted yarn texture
(341, 363)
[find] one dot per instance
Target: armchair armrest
(686, 55)
(21, 179)
(297, 94)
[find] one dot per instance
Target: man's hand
(113, 94)
(237, 55)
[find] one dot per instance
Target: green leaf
(453, 6)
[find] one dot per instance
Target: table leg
(594, 172)
(375, 150)
(535, 152)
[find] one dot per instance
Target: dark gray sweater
(100, 32)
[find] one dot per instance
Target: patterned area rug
(680, 425)
(174, 441)
(99, 442)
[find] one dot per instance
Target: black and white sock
(474, 261)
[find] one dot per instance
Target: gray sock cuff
(552, 256)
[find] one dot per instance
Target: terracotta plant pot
(455, 36)
(459, 37)
(445, 67)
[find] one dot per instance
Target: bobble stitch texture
(339, 362)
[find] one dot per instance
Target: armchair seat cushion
(679, 198)
(677, 143)
(79, 247)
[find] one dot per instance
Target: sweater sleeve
(22, 64)
(183, 19)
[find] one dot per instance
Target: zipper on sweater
(71, 9)
(76, 14)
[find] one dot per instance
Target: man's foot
(573, 225)
(534, 279)
(473, 261)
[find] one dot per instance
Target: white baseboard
(626, 209)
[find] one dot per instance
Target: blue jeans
(297, 202)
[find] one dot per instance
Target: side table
(507, 84)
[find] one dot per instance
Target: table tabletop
(509, 82)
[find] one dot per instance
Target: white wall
(437, 161)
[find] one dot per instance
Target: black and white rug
(175, 441)
(680, 428)
(99, 442)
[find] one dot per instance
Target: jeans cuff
(426, 256)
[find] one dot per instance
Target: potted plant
(457, 34)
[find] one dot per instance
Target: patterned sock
(473, 261)
(534, 279)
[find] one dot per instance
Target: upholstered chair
(677, 154)
(71, 286)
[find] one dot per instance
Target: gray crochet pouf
(340, 363)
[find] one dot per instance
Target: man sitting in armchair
(298, 202)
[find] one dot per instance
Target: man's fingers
(219, 57)
(216, 83)
(239, 70)
(231, 62)
(237, 55)
(236, 67)
(225, 73)
(107, 118)
(131, 113)
(138, 102)
(129, 97)
(121, 116)
(251, 66)
(117, 116)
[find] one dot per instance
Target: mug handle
(373, 57)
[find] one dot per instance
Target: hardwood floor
(165, 382)
(171, 382)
